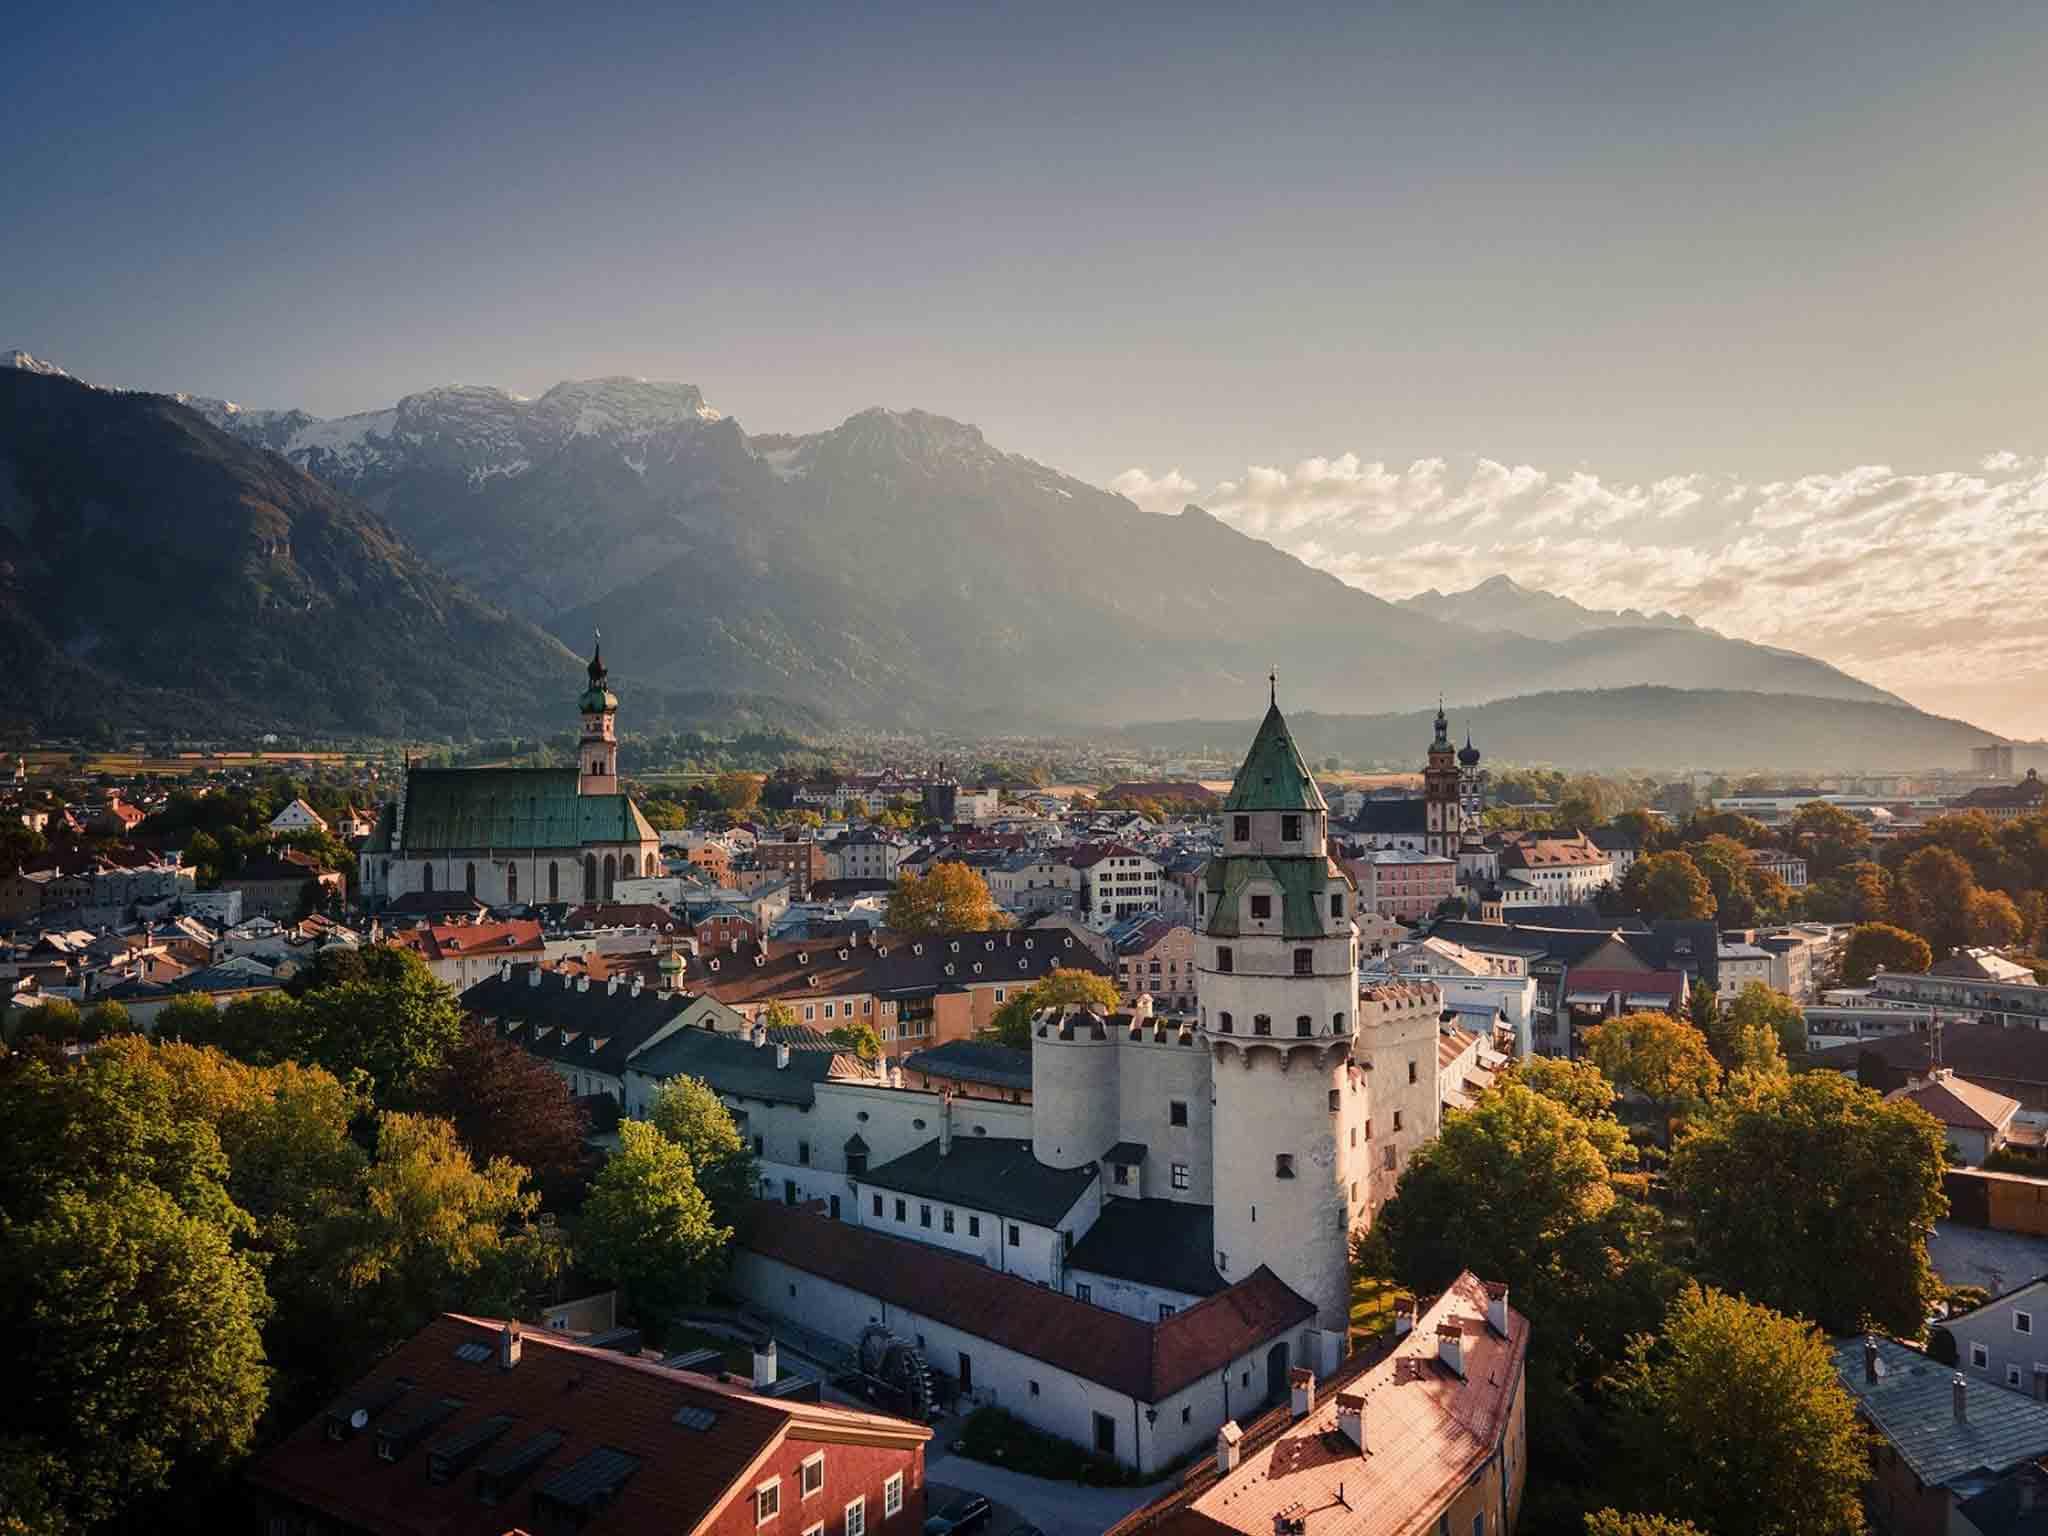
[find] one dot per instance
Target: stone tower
(1277, 960)
(1442, 820)
(1471, 789)
(597, 754)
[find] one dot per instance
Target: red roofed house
(474, 1428)
(462, 954)
(1977, 1119)
(1428, 1440)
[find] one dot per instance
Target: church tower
(1277, 961)
(1471, 790)
(1442, 820)
(597, 755)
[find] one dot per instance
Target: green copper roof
(512, 808)
(1303, 884)
(1274, 778)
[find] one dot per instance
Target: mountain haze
(1502, 603)
(900, 568)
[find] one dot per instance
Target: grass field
(1372, 1307)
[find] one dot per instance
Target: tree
(688, 1111)
(1725, 863)
(1815, 1196)
(858, 1037)
(1875, 946)
(1668, 885)
(1940, 885)
(1664, 1059)
(505, 1102)
(188, 1016)
(947, 898)
(1738, 1422)
(1994, 920)
(55, 1019)
(1583, 1089)
(736, 791)
(262, 1029)
(1062, 985)
(136, 1340)
(105, 1019)
(1703, 1009)
(1762, 1009)
(397, 1024)
(648, 1228)
(1828, 836)
(1612, 1522)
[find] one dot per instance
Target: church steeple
(597, 754)
(1274, 776)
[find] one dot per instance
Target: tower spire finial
(1273, 685)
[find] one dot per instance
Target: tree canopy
(1663, 1058)
(648, 1227)
(1011, 1024)
(947, 898)
(1667, 885)
(689, 1113)
(1875, 946)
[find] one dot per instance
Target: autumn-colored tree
(1668, 885)
(1061, 985)
(1660, 1057)
(1875, 946)
(1827, 836)
(1612, 1522)
(1994, 920)
(1733, 1417)
(736, 792)
(858, 1037)
(1582, 1088)
(1725, 863)
(1941, 887)
(505, 1102)
(948, 898)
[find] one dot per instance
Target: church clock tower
(597, 755)
(1277, 962)
(1443, 823)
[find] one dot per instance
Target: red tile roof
(1959, 1102)
(449, 941)
(1428, 1432)
(1146, 1361)
(592, 1397)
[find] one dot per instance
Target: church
(512, 835)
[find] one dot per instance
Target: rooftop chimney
(1142, 1008)
(760, 1036)
(533, 977)
(945, 1125)
(504, 970)
(1450, 1347)
(611, 988)
(781, 1057)
(1870, 1357)
(1404, 1317)
(1497, 1306)
(639, 984)
(1351, 1418)
(509, 1344)
(1227, 1439)
(765, 1370)
(583, 983)
(1961, 1387)
(1301, 1382)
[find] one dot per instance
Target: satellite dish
(358, 1419)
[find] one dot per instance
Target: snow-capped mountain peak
(28, 362)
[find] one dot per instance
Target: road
(1058, 1509)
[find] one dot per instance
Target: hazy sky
(1634, 246)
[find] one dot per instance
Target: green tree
(1668, 885)
(55, 1019)
(1612, 1522)
(1815, 1196)
(263, 1029)
(1582, 1088)
(188, 1016)
(1733, 1418)
(1761, 1008)
(947, 898)
(1873, 946)
(1725, 863)
(1011, 1024)
(1939, 885)
(135, 1329)
(689, 1113)
(104, 1019)
(648, 1228)
(397, 1024)
(1664, 1059)
(858, 1037)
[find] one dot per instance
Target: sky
(1734, 308)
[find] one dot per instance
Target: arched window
(633, 867)
(554, 881)
(1337, 1022)
(469, 878)
(1304, 1026)
(512, 883)
(611, 875)
(1223, 1023)
(590, 877)
(426, 877)
(1262, 1024)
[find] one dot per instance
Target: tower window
(1336, 1099)
(1290, 829)
(1337, 1022)
(1177, 1112)
(1223, 1023)
(1223, 959)
(1304, 962)
(1336, 903)
(1261, 1024)
(1262, 907)
(1241, 829)
(1411, 1071)
(1304, 1026)
(1283, 1165)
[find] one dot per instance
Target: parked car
(969, 1512)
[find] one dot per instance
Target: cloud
(1921, 583)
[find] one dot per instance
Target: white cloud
(1928, 584)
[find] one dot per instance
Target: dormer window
(1262, 908)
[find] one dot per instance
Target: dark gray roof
(2015, 1505)
(1391, 817)
(1125, 1154)
(987, 1173)
(1912, 1404)
(973, 1061)
(733, 1065)
(1166, 1243)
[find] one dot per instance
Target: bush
(1002, 1439)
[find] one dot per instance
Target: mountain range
(897, 569)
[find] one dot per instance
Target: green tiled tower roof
(1274, 778)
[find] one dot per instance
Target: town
(1247, 1144)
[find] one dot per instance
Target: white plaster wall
(1130, 1297)
(1074, 1093)
(1152, 1074)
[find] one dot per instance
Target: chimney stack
(781, 1058)
(611, 988)
(509, 1344)
(639, 984)
(1227, 1439)
(765, 1368)
(583, 982)
(1870, 1357)
(1351, 1418)
(1301, 1382)
(760, 1036)
(1404, 1317)
(1450, 1347)
(1961, 1387)
(533, 976)
(945, 1125)
(1142, 1008)
(504, 970)
(1497, 1306)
